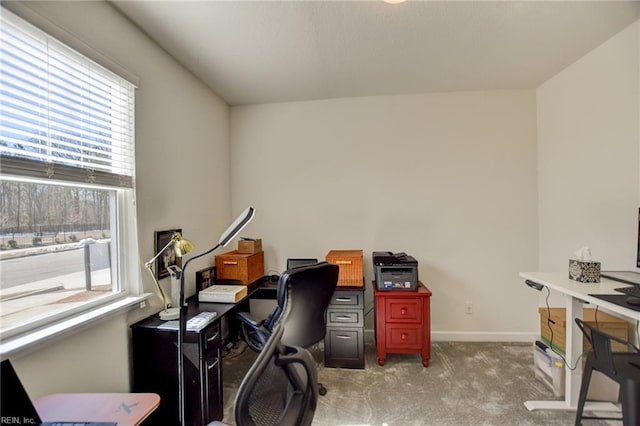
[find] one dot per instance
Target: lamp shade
(182, 246)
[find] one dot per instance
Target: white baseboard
(477, 336)
(484, 336)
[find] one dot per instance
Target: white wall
(448, 178)
(182, 181)
(93, 360)
(588, 156)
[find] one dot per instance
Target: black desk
(262, 289)
(155, 359)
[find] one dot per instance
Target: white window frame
(126, 276)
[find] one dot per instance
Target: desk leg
(573, 379)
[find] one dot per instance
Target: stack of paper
(223, 293)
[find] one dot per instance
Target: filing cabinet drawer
(339, 317)
(404, 337)
(403, 310)
(344, 348)
(347, 298)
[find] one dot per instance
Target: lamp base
(170, 314)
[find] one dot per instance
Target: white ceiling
(252, 52)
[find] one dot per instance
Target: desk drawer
(211, 338)
(345, 317)
(403, 310)
(212, 402)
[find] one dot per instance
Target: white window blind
(62, 116)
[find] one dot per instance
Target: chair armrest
(303, 401)
(254, 333)
(302, 357)
(249, 319)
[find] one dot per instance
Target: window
(66, 181)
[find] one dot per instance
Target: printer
(395, 271)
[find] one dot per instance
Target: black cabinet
(155, 369)
(344, 341)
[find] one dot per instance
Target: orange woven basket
(350, 264)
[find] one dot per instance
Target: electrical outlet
(468, 308)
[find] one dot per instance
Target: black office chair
(303, 296)
(622, 367)
(281, 387)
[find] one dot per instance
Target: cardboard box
(350, 267)
(585, 272)
(601, 388)
(243, 267)
(556, 328)
(250, 246)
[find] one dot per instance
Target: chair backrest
(308, 293)
(280, 388)
(601, 345)
(292, 263)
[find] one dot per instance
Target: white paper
(169, 325)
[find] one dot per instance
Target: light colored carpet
(465, 384)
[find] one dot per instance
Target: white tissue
(584, 254)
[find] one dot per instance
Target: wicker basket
(350, 264)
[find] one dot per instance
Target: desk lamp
(229, 234)
(181, 246)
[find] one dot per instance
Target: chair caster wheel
(322, 390)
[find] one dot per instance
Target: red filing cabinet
(403, 322)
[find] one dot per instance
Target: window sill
(60, 329)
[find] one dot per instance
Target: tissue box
(585, 272)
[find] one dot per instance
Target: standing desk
(575, 293)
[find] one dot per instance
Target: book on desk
(223, 293)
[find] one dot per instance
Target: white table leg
(574, 348)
